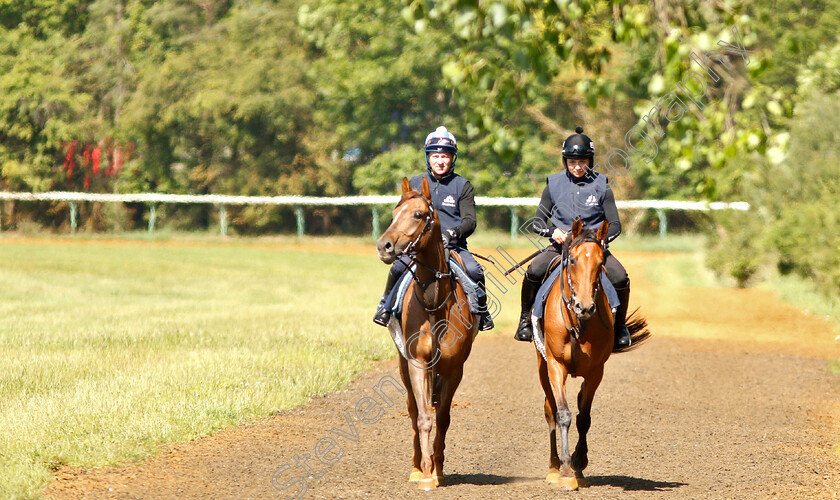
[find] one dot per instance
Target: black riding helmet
(578, 146)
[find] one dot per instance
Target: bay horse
(436, 328)
(579, 338)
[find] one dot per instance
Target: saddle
(395, 301)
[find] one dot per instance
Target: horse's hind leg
(586, 395)
(550, 410)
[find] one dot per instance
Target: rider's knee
(620, 282)
(476, 274)
(398, 268)
(535, 272)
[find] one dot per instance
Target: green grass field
(111, 348)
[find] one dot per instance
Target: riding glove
(449, 239)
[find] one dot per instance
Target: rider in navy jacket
(453, 199)
(576, 192)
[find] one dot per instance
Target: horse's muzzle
(386, 250)
(584, 312)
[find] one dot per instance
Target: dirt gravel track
(732, 398)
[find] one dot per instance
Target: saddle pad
(471, 288)
(395, 300)
(539, 302)
(539, 335)
(473, 291)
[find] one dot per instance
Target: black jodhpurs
(538, 270)
(472, 267)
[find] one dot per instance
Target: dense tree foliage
(794, 192)
(685, 99)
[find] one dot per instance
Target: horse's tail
(639, 333)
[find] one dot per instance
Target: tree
(225, 108)
(790, 218)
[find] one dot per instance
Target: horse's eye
(572, 261)
(418, 215)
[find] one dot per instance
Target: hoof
(552, 477)
(416, 475)
(426, 484)
(568, 483)
(439, 481)
(581, 481)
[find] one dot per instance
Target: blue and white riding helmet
(441, 140)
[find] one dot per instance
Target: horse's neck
(433, 258)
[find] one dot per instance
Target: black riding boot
(525, 332)
(622, 335)
(485, 321)
(383, 314)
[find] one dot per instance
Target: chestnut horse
(578, 326)
(436, 328)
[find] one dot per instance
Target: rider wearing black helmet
(453, 199)
(575, 192)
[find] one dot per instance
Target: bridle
(408, 251)
(430, 221)
(575, 329)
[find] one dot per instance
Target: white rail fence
(374, 202)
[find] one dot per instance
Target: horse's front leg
(557, 375)
(449, 385)
(419, 368)
(411, 404)
(584, 419)
(421, 384)
(550, 410)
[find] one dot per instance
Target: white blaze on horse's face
(398, 212)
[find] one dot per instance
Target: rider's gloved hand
(559, 236)
(449, 239)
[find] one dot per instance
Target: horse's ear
(577, 226)
(425, 191)
(602, 232)
(406, 186)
